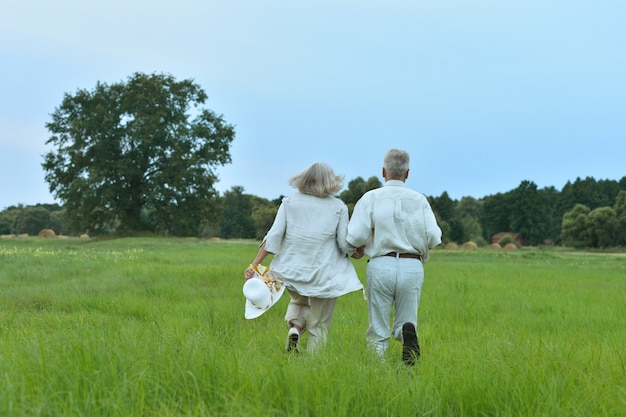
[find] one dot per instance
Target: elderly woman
(311, 255)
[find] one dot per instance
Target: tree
(525, 210)
(263, 214)
(553, 233)
(466, 225)
(58, 222)
(588, 192)
(31, 220)
(455, 230)
(469, 206)
(620, 217)
(444, 206)
(137, 155)
(620, 204)
(574, 231)
(237, 219)
(495, 214)
(531, 214)
(7, 219)
(263, 217)
(357, 187)
(601, 224)
(472, 230)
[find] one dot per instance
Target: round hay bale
(469, 246)
(495, 246)
(23, 235)
(84, 236)
(510, 246)
(47, 233)
(451, 246)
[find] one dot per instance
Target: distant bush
(506, 240)
(480, 241)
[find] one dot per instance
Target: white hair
(318, 179)
(396, 163)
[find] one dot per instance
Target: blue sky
(483, 94)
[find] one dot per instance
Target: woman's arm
(260, 257)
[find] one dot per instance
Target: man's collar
(396, 183)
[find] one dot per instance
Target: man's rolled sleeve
(433, 231)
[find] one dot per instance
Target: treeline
(584, 213)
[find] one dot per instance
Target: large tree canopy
(137, 155)
(357, 187)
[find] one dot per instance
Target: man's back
(394, 218)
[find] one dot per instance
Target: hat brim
(252, 311)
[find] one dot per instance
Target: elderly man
(396, 227)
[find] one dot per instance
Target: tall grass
(155, 327)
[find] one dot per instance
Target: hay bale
(495, 246)
(84, 236)
(47, 233)
(451, 246)
(469, 246)
(11, 236)
(23, 235)
(510, 246)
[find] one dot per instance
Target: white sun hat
(261, 292)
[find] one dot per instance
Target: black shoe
(410, 345)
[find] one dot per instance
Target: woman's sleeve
(274, 237)
(342, 232)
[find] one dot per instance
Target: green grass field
(155, 327)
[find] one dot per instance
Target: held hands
(359, 252)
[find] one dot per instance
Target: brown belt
(404, 255)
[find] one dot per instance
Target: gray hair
(318, 179)
(396, 163)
